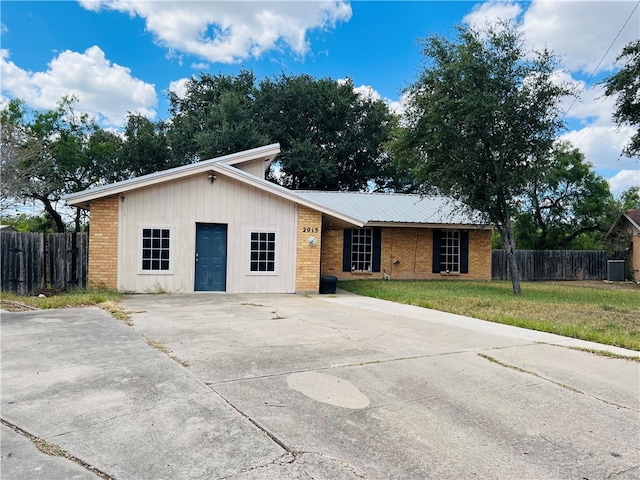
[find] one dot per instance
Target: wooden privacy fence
(31, 262)
(552, 265)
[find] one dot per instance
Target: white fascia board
(82, 198)
(268, 153)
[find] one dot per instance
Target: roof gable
(81, 199)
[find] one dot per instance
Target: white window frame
(364, 237)
(251, 252)
(141, 248)
(450, 251)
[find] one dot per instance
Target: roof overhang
(83, 199)
(457, 226)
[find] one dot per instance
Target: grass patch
(602, 315)
(75, 298)
(158, 345)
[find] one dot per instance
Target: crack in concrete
(275, 439)
(559, 384)
(331, 367)
(54, 450)
(287, 459)
(622, 472)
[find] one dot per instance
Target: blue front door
(211, 257)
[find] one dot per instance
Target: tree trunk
(509, 245)
(57, 218)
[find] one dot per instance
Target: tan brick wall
(308, 256)
(407, 254)
(103, 243)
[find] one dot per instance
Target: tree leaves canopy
(47, 154)
(566, 205)
(484, 114)
(332, 138)
(482, 120)
(626, 85)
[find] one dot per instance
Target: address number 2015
(310, 229)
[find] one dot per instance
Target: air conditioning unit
(615, 270)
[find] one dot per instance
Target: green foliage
(629, 199)
(216, 117)
(332, 138)
(30, 223)
(567, 205)
(483, 116)
(625, 83)
(145, 148)
(51, 153)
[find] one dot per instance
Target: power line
(575, 99)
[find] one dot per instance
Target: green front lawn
(597, 311)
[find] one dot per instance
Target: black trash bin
(328, 284)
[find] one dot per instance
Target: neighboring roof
(395, 208)
(7, 229)
(634, 217)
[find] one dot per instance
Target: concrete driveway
(297, 387)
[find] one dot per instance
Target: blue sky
(122, 56)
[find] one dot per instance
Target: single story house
(218, 225)
(625, 234)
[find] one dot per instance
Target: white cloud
(367, 91)
(586, 36)
(490, 12)
(228, 32)
(104, 89)
(602, 145)
(581, 32)
(624, 180)
(179, 87)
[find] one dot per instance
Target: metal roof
(396, 208)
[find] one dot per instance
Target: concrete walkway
(296, 387)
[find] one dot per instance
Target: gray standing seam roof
(395, 208)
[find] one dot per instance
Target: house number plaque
(310, 229)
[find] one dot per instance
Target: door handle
(196, 257)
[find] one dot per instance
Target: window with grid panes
(263, 252)
(450, 251)
(361, 249)
(155, 249)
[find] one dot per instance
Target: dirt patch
(11, 306)
(602, 284)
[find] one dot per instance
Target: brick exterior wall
(103, 243)
(308, 256)
(407, 253)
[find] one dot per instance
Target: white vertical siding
(180, 205)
